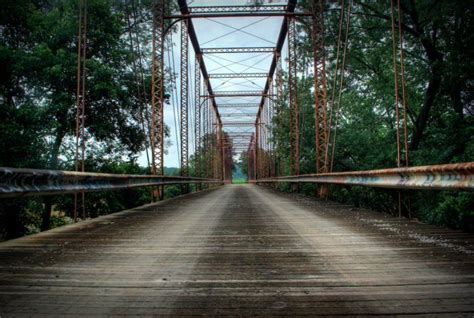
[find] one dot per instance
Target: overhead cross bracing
(227, 50)
(238, 75)
(244, 249)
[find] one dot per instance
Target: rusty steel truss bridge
(237, 250)
(223, 127)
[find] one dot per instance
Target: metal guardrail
(434, 177)
(29, 182)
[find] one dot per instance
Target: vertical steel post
(272, 136)
(257, 151)
(80, 101)
(184, 103)
(320, 92)
(206, 138)
(157, 92)
(222, 152)
(294, 111)
(197, 119)
(279, 92)
(320, 99)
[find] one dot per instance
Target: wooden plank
(239, 250)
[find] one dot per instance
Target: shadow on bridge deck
(239, 250)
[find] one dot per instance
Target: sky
(218, 33)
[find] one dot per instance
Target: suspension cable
(136, 72)
(402, 69)
(343, 66)
(395, 78)
(334, 82)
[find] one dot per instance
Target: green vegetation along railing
(28, 182)
(435, 177)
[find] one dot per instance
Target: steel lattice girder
(292, 85)
(157, 129)
(238, 75)
(227, 50)
(321, 129)
(197, 117)
(184, 97)
(239, 9)
(236, 94)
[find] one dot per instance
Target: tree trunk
(423, 117)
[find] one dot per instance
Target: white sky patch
(221, 33)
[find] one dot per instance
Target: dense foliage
(439, 74)
(38, 65)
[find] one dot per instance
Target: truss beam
(226, 50)
(157, 93)
(239, 105)
(238, 75)
(197, 49)
(294, 111)
(238, 9)
(277, 53)
(237, 94)
(184, 99)
(197, 118)
(237, 114)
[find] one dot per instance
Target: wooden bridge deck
(239, 250)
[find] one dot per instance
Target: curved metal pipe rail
(435, 177)
(29, 182)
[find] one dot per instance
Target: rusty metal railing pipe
(29, 182)
(458, 176)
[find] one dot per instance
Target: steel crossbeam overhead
(237, 94)
(237, 50)
(238, 75)
(238, 106)
(237, 114)
(237, 11)
(243, 134)
(258, 92)
(238, 123)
